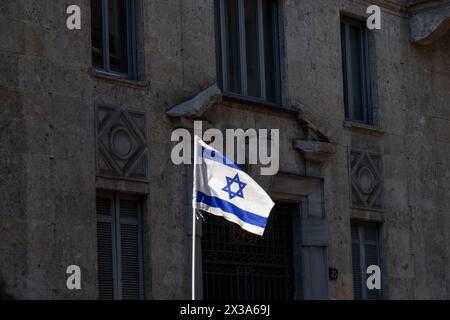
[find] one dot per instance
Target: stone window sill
(249, 100)
(112, 79)
(364, 214)
(364, 128)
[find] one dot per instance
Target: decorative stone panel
(366, 180)
(121, 138)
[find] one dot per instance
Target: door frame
(310, 246)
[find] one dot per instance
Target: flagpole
(194, 222)
(193, 253)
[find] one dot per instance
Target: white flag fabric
(223, 189)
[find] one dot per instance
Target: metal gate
(240, 266)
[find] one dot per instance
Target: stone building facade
(83, 148)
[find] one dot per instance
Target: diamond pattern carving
(366, 180)
(122, 149)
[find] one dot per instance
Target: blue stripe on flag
(226, 206)
(218, 157)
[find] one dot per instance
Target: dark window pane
(233, 47)
(252, 45)
(249, 33)
(118, 43)
(355, 234)
(344, 67)
(270, 49)
(356, 73)
(97, 41)
(370, 233)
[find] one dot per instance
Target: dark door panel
(238, 265)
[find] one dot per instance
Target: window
(356, 71)
(249, 49)
(112, 36)
(119, 247)
(365, 252)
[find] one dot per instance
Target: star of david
(228, 188)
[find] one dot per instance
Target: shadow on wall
(3, 294)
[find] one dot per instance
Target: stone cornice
(390, 5)
(429, 21)
(196, 106)
(408, 8)
(422, 5)
(314, 146)
(315, 150)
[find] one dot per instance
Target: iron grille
(240, 266)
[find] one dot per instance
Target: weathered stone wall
(48, 181)
(49, 193)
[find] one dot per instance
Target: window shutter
(105, 249)
(365, 252)
(119, 248)
(356, 263)
(130, 251)
(371, 255)
(357, 290)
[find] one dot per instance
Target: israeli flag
(223, 189)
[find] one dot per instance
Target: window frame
(366, 70)
(115, 220)
(131, 42)
(361, 243)
(222, 55)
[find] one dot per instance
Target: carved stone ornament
(122, 149)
